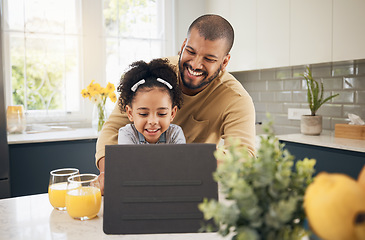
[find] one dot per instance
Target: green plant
(263, 194)
(315, 92)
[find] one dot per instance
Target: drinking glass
(16, 122)
(58, 186)
(83, 197)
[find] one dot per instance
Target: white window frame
(93, 59)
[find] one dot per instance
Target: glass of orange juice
(58, 186)
(83, 197)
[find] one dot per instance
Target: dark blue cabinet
(30, 163)
(329, 159)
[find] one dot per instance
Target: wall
(185, 13)
(275, 90)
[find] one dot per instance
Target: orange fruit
(361, 178)
(332, 203)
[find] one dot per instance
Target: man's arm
(109, 133)
(240, 122)
(108, 136)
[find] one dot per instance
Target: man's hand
(101, 164)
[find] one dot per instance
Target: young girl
(150, 96)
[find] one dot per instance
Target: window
(54, 48)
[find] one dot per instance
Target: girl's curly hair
(157, 68)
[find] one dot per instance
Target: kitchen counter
(53, 136)
(333, 155)
(33, 217)
(326, 140)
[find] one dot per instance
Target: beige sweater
(223, 109)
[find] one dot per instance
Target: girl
(150, 96)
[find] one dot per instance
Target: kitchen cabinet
(242, 15)
(310, 31)
(30, 163)
(282, 33)
(348, 30)
(329, 159)
(273, 21)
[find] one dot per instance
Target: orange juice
(57, 195)
(83, 203)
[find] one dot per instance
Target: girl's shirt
(129, 135)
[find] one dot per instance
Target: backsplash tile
(290, 105)
(260, 107)
(249, 86)
(292, 84)
(360, 67)
(335, 121)
(326, 122)
(360, 97)
(277, 89)
(299, 96)
(344, 97)
(275, 85)
(343, 69)
(321, 70)
(298, 71)
(253, 75)
(260, 85)
(359, 110)
(267, 97)
(255, 96)
(283, 73)
(282, 118)
(330, 110)
(273, 107)
(268, 74)
(333, 83)
(285, 96)
(354, 82)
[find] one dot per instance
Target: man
(215, 107)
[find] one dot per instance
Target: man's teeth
(194, 72)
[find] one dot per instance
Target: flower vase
(99, 116)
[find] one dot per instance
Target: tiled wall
(276, 90)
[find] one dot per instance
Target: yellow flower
(98, 94)
(94, 89)
(90, 86)
(85, 93)
(113, 97)
(110, 88)
(104, 91)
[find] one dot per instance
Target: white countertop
(326, 140)
(53, 136)
(33, 217)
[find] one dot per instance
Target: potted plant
(262, 195)
(312, 124)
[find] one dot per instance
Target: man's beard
(202, 83)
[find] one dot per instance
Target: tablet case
(157, 188)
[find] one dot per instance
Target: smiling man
(205, 53)
(216, 106)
